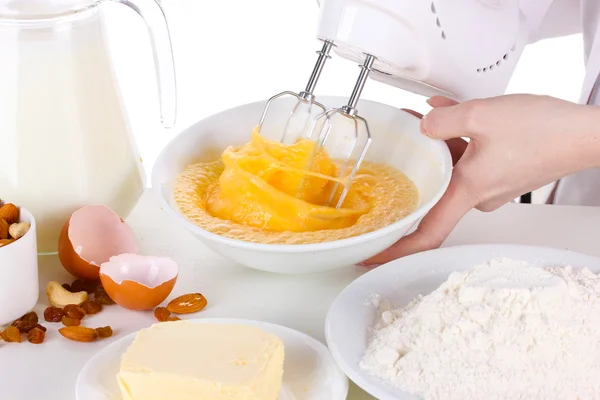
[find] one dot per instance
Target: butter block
(183, 360)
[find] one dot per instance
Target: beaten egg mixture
(268, 192)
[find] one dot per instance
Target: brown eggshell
(90, 237)
(138, 282)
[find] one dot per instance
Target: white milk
(64, 138)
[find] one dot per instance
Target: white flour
(502, 330)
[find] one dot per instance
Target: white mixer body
(462, 49)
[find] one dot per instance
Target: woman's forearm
(589, 136)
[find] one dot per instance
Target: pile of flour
(501, 330)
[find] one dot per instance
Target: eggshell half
(91, 236)
(138, 282)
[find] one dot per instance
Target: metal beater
(302, 113)
(351, 141)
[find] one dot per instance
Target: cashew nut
(18, 229)
(60, 297)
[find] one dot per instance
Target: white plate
(400, 281)
(309, 371)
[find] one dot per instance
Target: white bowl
(352, 313)
(309, 371)
(397, 141)
(19, 287)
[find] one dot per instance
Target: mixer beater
(341, 132)
(346, 140)
(303, 112)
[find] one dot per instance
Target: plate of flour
(494, 322)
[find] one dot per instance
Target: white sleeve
(552, 18)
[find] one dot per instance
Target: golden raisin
(83, 285)
(74, 311)
(70, 321)
(101, 297)
(53, 314)
(173, 319)
(11, 334)
(27, 322)
(91, 307)
(161, 314)
(43, 328)
(36, 336)
(67, 287)
(104, 332)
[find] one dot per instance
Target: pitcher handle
(152, 13)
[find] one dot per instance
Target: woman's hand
(518, 143)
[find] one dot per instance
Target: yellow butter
(187, 361)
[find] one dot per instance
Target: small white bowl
(397, 141)
(19, 287)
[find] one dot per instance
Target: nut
(60, 297)
(10, 213)
(18, 230)
(6, 242)
(187, 304)
(79, 333)
(3, 229)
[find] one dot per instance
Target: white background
(231, 52)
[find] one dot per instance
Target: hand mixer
(462, 50)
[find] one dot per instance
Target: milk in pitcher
(64, 137)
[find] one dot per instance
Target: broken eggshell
(138, 282)
(91, 236)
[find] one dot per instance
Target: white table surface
(49, 371)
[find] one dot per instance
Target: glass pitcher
(65, 140)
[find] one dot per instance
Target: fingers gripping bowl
(397, 141)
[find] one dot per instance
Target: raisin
(162, 314)
(36, 336)
(11, 334)
(31, 317)
(70, 321)
(53, 314)
(27, 322)
(24, 326)
(83, 285)
(102, 297)
(74, 311)
(38, 326)
(91, 307)
(67, 287)
(173, 319)
(77, 285)
(104, 332)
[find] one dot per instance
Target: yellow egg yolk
(280, 187)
